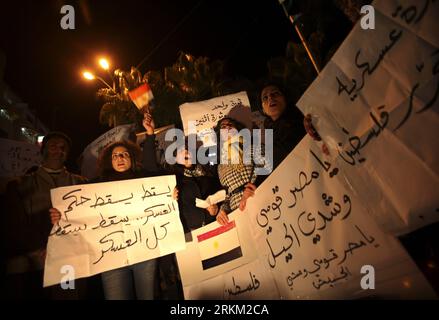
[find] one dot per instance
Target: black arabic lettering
(288, 257)
(150, 193)
(410, 107)
(292, 277)
(276, 206)
(263, 213)
(123, 244)
(63, 230)
(351, 247)
(101, 202)
(394, 36)
(409, 14)
(70, 195)
(303, 183)
(347, 199)
(152, 213)
(368, 239)
(356, 143)
(344, 88)
(156, 240)
(325, 165)
(435, 71)
(309, 218)
(254, 285)
(104, 223)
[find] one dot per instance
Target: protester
(121, 161)
(27, 225)
(288, 125)
(194, 181)
(233, 171)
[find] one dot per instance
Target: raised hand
(148, 123)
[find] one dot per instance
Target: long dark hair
(105, 166)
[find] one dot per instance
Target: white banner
(216, 249)
(318, 240)
(375, 105)
(313, 237)
(91, 152)
(17, 157)
(110, 225)
(206, 114)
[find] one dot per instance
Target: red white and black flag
(141, 96)
(219, 246)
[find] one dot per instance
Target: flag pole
(305, 45)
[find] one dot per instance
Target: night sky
(44, 62)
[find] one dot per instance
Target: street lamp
(90, 76)
(104, 64)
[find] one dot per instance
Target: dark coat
(190, 188)
(288, 130)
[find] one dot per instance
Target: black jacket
(288, 130)
(191, 187)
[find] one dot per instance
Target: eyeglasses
(123, 155)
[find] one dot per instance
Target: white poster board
(313, 237)
(113, 224)
(204, 115)
(216, 249)
(376, 107)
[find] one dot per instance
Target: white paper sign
(216, 249)
(314, 239)
(376, 106)
(315, 236)
(113, 224)
(206, 114)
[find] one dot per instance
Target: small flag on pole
(219, 246)
(141, 96)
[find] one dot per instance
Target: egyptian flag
(219, 246)
(141, 96)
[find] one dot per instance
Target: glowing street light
(90, 76)
(104, 64)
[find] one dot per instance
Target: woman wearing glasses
(120, 161)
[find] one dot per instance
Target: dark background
(44, 62)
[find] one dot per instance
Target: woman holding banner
(120, 161)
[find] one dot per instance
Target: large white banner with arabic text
(112, 224)
(376, 106)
